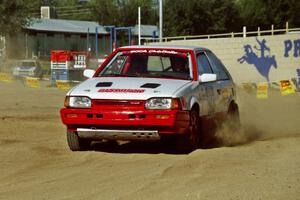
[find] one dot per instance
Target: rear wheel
(77, 144)
(190, 141)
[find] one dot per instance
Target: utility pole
(139, 25)
(160, 20)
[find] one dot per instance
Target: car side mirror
(204, 78)
(89, 73)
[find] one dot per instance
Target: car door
(205, 90)
(223, 87)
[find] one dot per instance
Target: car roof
(181, 47)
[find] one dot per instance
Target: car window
(154, 63)
(158, 63)
(116, 65)
(217, 66)
(203, 64)
(28, 64)
(149, 63)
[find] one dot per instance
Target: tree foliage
(259, 13)
(105, 12)
(200, 17)
(15, 14)
(181, 17)
(123, 12)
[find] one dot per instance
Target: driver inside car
(179, 64)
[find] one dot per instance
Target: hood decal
(104, 84)
(150, 85)
(121, 90)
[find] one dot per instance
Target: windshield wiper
(120, 75)
(166, 76)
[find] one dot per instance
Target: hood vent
(104, 84)
(150, 85)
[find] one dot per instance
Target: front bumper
(133, 121)
(118, 134)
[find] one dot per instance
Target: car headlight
(163, 103)
(78, 102)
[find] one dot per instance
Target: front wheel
(190, 141)
(77, 144)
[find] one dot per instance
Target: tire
(190, 141)
(77, 144)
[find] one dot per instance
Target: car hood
(128, 88)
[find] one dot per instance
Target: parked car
(150, 93)
(26, 68)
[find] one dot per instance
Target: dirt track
(262, 163)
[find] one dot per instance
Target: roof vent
(104, 84)
(150, 85)
(45, 12)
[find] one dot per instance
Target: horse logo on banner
(262, 63)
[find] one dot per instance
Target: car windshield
(27, 64)
(149, 63)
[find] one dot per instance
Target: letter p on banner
(286, 88)
(262, 90)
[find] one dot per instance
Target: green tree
(105, 12)
(195, 17)
(123, 12)
(129, 12)
(15, 14)
(71, 9)
(259, 13)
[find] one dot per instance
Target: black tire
(77, 144)
(190, 141)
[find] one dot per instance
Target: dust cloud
(263, 119)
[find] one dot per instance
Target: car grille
(118, 103)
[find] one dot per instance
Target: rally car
(150, 93)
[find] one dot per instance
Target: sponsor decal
(138, 51)
(121, 90)
(33, 82)
(163, 51)
(286, 87)
(5, 77)
(262, 90)
(154, 51)
(63, 85)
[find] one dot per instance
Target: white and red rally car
(150, 93)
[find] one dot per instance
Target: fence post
(244, 32)
(272, 29)
(258, 31)
(286, 27)
(232, 34)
